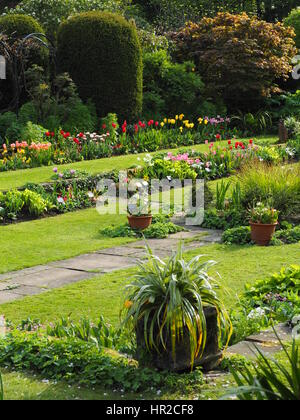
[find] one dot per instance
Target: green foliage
(101, 51)
(253, 123)
(169, 297)
(19, 26)
(7, 120)
(161, 228)
(287, 236)
(33, 132)
(221, 192)
(74, 361)
(277, 185)
(278, 296)
(294, 20)
(235, 361)
(264, 214)
(170, 88)
(249, 56)
(16, 203)
(99, 333)
(269, 379)
(50, 13)
(223, 220)
(240, 236)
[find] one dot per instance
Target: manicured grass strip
(16, 179)
(25, 386)
(40, 241)
(103, 295)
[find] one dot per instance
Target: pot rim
(139, 217)
(263, 224)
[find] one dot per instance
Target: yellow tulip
(162, 124)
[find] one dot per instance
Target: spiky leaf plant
(169, 298)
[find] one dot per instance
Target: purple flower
(55, 170)
(61, 175)
(72, 171)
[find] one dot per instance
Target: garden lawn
(16, 179)
(40, 241)
(103, 295)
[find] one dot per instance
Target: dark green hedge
(101, 51)
(19, 25)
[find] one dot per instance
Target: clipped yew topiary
(16, 27)
(101, 52)
(19, 25)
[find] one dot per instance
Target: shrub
(19, 26)
(287, 236)
(223, 220)
(278, 296)
(169, 88)
(101, 51)
(239, 57)
(240, 236)
(6, 120)
(294, 20)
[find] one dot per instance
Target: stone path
(39, 279)
(265, 341)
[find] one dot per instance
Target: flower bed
(60, 147)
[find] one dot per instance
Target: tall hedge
(18, 26)
(101, 51)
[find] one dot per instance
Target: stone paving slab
(35, 280)
(6, 297)
(96, 262)
(53, 277)
(265, 341)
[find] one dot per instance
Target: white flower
(256, 313)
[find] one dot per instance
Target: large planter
(139, 222)
(262, 234)
(164, 359)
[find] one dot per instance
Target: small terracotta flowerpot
(139, 222)
(262, 234)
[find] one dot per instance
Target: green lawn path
(237, 265)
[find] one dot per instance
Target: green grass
(40, 241)
(102, 295)
(16, 179)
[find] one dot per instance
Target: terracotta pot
(139, 222)
(164, 360)
(262, 234)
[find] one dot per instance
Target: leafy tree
(239, 57)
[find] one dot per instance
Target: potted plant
(263, 222)
(176, 314)
(139, 214)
